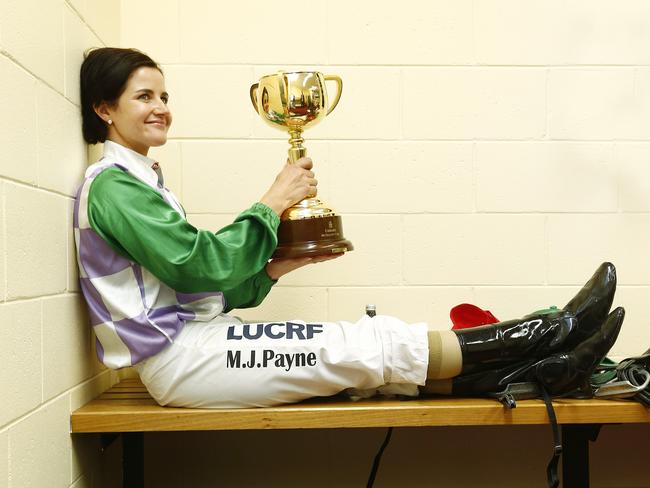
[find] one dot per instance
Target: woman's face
(141, 118)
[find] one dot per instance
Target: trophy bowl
(293, 101)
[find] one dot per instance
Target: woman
(158, 289)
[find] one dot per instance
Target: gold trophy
(292, 101)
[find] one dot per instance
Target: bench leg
(575, 453)
(133, 460)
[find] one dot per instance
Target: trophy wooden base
(311, 237)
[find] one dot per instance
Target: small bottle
(371, 310)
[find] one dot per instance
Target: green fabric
(546, 311)
(139, 224)
(604, 373)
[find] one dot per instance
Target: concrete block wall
(484, 151)
(47, 355)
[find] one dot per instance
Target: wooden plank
(135, 411)
(122, 396)
(128, 388)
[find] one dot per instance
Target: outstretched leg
(229, 364)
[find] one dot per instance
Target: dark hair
(103, 77)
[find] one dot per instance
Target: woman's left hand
(280, 267)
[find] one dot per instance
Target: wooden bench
(129, 411)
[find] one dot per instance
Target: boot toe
(566, 372)
(592, 303)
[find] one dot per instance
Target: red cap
(467, 315)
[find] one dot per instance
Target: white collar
(137, 164)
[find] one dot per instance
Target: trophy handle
(339, 83)
(252, 92)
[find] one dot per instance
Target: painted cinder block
(430, 304)
(36, 253)
(474, 103)
(77, 39)
(306, 303)
(631, 159)
(61, 150)
(32, 32)
(638, 127)
(104, 19)
(251, 32)
(4, 458)
(229, 176)
(3, 238)
(86, 391)
(474, 249)
(591, 103)
(80, 7)
(545, 177)
(17, 133)
(633, 340)
(369, 108)
(560, 33)
(376, 260)
(162, 42)
(520, 33)
(65, 328)
(209, 101)
(577, 244)
(401, 177)
(21, 376)
(39, 447)
(365, 32)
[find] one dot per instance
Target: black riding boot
(570, 371)
(560, 373)
(533, 337)
(492, 380)
(592, 303)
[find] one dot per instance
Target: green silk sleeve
(249, 293)
(139, 224)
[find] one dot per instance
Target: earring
(110, 121)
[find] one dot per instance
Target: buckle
(623, 389)
(516, 391)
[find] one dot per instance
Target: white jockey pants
(227, 364)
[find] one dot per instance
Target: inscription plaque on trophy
(293, 101)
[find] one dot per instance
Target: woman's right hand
(295, 182)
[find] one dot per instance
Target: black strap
(551, 469)
(375, 463)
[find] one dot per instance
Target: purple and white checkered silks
(134, 315)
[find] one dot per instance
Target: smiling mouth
(158, 123)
